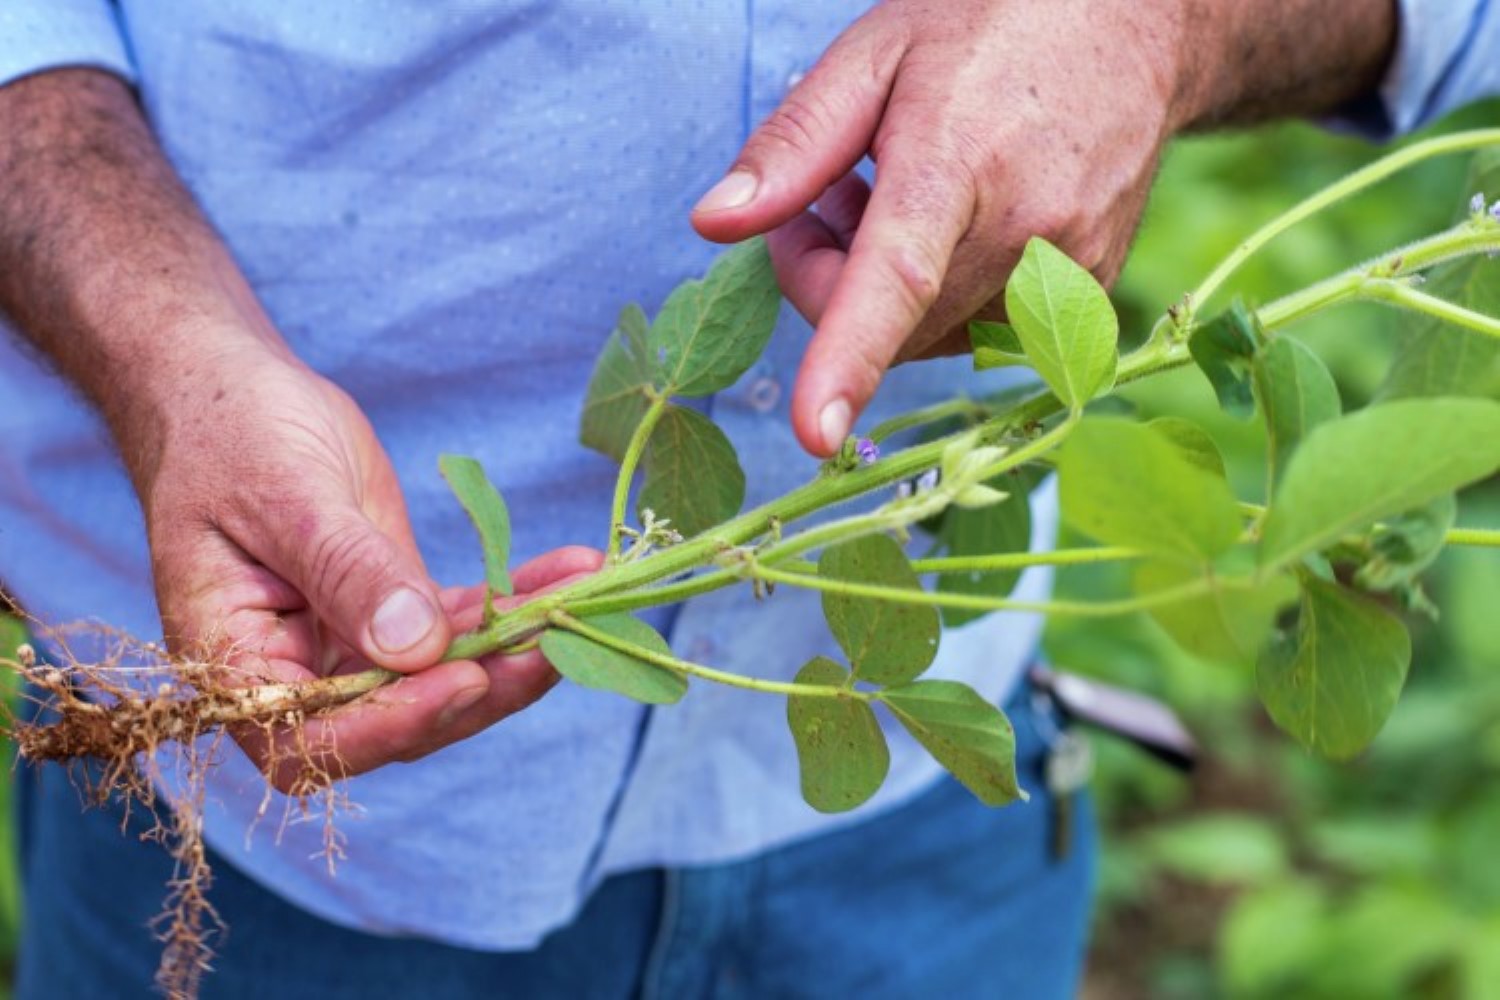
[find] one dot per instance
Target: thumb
(817, 135)
(369, 590)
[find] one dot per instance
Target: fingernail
(833, 423)
(402, 620)
(735, 190)
(459, 704)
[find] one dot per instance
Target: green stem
(1473, 537)
(1354, 183)
(978, 602)
(1023, 560)
(1464, 240)
(1403, 296)
(961, 406)
(566, 621)
(631, 459)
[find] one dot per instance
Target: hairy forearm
(1251, 60)
(106, 264)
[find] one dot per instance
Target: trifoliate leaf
(486, 509)
(692, 475)
(886, 641)
(593, 665)
(709, 332)
(1064, 320)
(841, 749)
(1333, 680)
(966, 734)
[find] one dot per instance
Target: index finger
(921, 207)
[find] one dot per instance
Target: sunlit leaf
(966, 734)
(1124, 483)
(1222, 626)
(1224, 349)
(887, 642)
(617, 393)
(840, 748)
(1195, 443)
(593, 665)
(1064, 320)
(486, 509)
(709, 332)
(1296, 394)
(692, 475)
(1332, 681)
(1375, 463)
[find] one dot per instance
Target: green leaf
(1405, 545)
(1435, 359)
(487, 510)
(1333, 681)
(1124, 483)
(1195, 443)
(995, 345)
(1224, 349)
(1000, 528)
(1380, 461)
(1063, 318)
(693, 476)
(709, 332)
(584, 661)
(886, 641)
(966, 734)
(617, 396)
(1296, 394)
(1221, 626)
(840, 747)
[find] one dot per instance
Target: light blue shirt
(443, 206)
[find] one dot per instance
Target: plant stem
(1404, 296)
(566, 621)
(1473, 537)
(1368, 176)
(961, 406)
(978, 602)
(1023, 560)
(631, 459)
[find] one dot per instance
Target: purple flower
(1476, 204)
(867, 450)
(1495, 211)
(927, 481)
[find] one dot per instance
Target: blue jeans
(940, 898)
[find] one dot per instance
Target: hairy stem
(631, 459)
(1368, 176)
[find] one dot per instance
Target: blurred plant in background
(1271, 873)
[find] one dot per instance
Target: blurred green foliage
(1271, 873)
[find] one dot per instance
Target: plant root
(147, 728)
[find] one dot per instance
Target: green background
(1270, 873)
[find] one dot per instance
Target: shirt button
(793, 78)
(764, 393)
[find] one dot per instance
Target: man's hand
(279, 537)
(277, 529)
(992, 121)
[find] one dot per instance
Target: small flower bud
(1476, 204)
(867, 450)
(927, 481)
(1495, 211)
